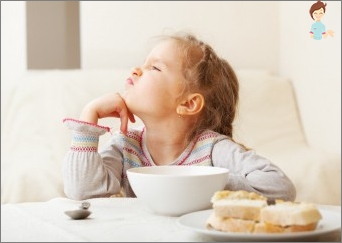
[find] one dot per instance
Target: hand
(109, 105)
(331, 33)
(327, 33)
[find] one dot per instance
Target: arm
(109, 105)
(86, 173)
(251, 172)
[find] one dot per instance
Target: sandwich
(285, 217)
(235, 211)
(249, 212)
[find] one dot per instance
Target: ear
(191, 105)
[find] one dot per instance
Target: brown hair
(214, 78)
(316, 6)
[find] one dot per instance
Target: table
(112, 219)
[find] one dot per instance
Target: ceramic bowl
(177, 190)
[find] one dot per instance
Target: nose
(136, 71)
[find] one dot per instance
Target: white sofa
(34, 139)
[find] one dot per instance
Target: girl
(186, 97)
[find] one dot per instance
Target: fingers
(131, 117)
(124, 115)
(109, 105)
(130, 114)
(124, 122)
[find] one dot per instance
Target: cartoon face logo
(318, 14)
(318, 30)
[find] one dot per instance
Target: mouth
(129, 81)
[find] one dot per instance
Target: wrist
(89, 114)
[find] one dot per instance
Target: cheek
(154, 94)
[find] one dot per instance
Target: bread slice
(226, 194)
(248, 212)
(239, 208)
(238, 204)
(230, 224)
(271, 228)
(290, 213)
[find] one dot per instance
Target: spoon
(81, 213)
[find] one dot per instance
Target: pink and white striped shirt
(88, 173)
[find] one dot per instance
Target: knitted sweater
(88, 173)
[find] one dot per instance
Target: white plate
(328, 228)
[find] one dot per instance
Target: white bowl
(177, 190)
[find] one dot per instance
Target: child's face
(318, 14)
(153, 88)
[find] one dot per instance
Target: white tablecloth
(112, 219)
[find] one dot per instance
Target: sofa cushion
(267, 112)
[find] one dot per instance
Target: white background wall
(116, 33)
(314, 67)
(269, 35)
(13, 45)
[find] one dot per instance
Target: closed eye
(155, 68)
